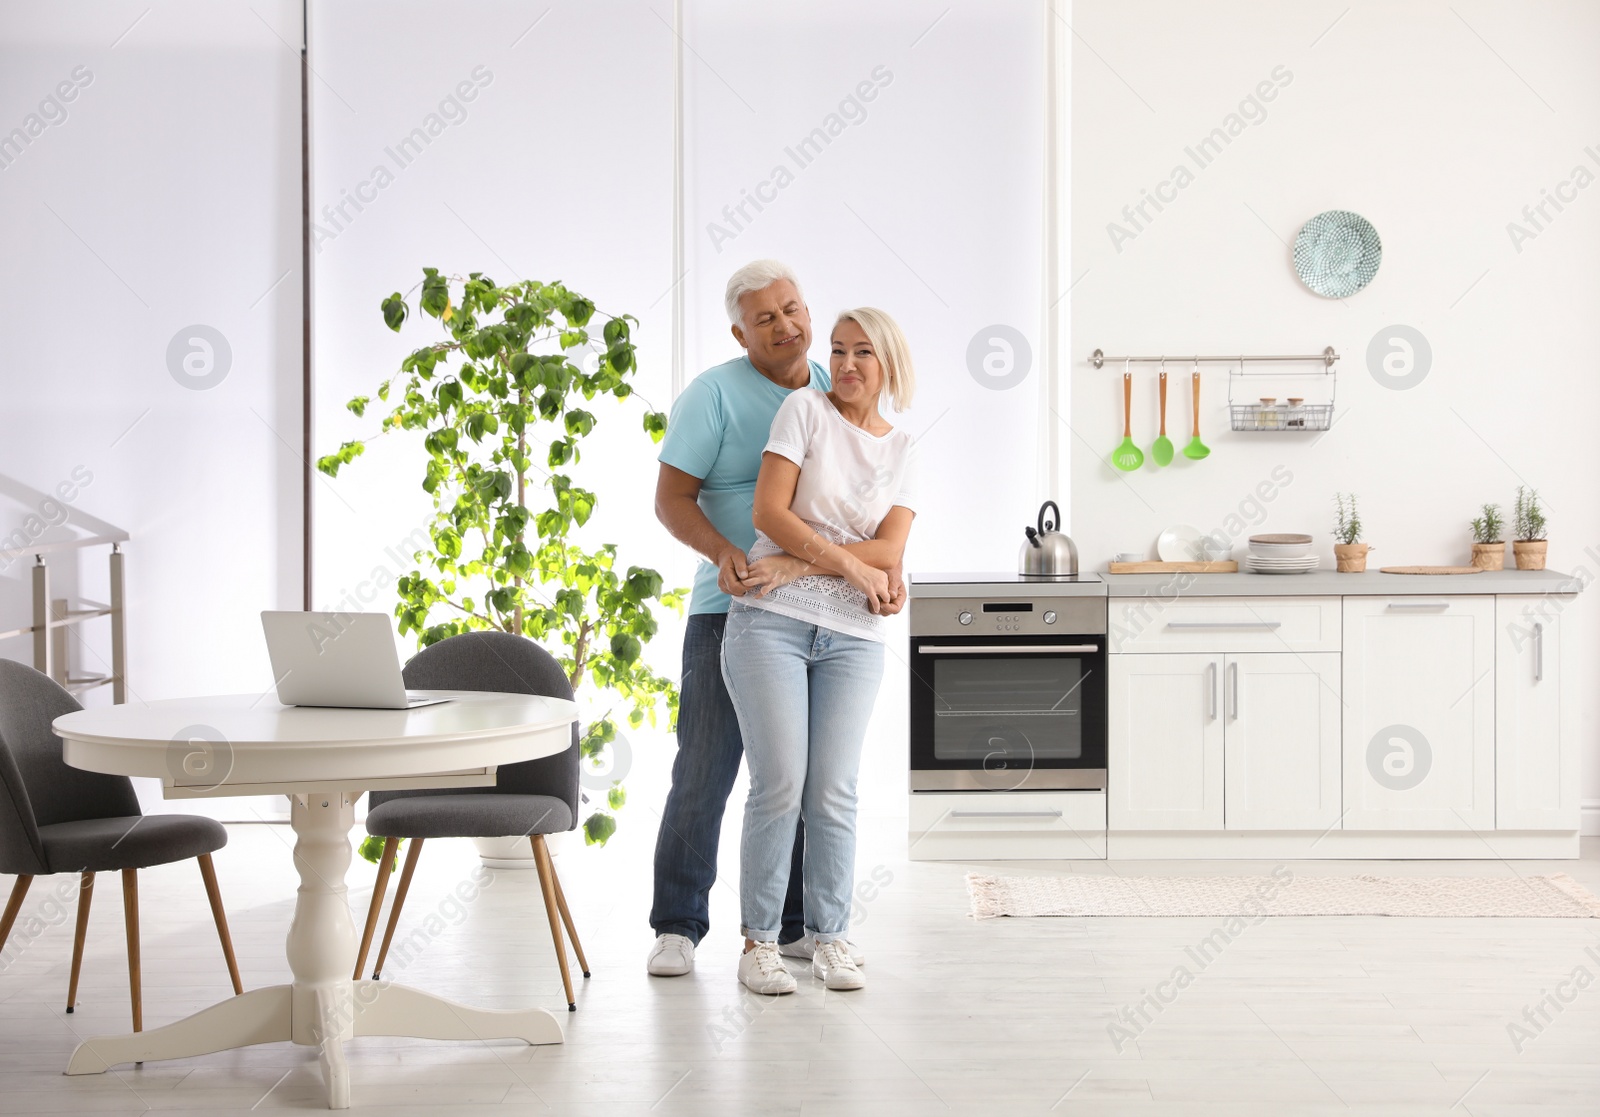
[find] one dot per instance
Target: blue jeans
(709, 752)
(804, 694)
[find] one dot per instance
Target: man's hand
(767, 574)
(732, 572)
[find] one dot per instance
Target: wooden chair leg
(547, 871)
(13, 906)
(385, 867)
(566, 918)
(130, 916)
(399, 902)
(208, 873)
(85, 897)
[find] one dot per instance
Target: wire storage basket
(1290, 414)
(1295, 415)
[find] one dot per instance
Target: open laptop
(338, 659)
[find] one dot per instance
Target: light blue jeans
(803, 694)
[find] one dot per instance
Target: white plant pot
(514, 852)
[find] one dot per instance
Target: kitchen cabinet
(1281, 741)
(1536, 750)
(1245, 741)
(1419, 720)
(1164, 749)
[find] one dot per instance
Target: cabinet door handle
(1005, 814)
(1268, 625)
(1211, 676)
(1233, 687)
(1538, 653)
(1416, 606)
(1008, 649)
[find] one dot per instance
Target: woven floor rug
(1539, 897)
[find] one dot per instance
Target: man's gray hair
(757, 275)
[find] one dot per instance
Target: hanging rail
(1098, 359)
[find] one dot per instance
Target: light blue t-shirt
(718, 428)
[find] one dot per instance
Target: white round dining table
(323, 759)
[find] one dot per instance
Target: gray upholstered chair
(58, 819)
(534, 797)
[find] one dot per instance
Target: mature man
(704, 497)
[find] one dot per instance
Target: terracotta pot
(1530, 553)
(1350, 558)
(1489, 556)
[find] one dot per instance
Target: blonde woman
(803, 655)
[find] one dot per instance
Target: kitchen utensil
(1129, 556)
(1161, 449)
(1181, 543)
(1048, 553)
(1281, 537)
(1430, 570)
(1337, 253)
(1196, 449)
(1127, 457)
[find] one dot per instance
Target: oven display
(1008, 606)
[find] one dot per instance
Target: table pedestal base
(324, 1007)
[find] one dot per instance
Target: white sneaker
(833, 964)
(761, 970)
(671, 956)
(805, 947)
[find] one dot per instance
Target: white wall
(167, 197)
(1438, 123)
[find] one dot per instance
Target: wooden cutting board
(1430, 570)
(1227, 567)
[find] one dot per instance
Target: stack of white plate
(1281, 554)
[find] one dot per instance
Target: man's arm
(678, 509)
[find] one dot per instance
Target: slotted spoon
(1127, 457)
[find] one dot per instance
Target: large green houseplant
(496, 402)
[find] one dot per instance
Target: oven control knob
(1049, 616)
(964, 617)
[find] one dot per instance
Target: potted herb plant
(1349, 553)
(1488, 539)
(1528, 526)
(499, 405)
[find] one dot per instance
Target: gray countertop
(1331, 583)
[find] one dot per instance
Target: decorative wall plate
(1337, 253)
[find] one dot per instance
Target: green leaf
(625, 647)
(394, 311)
(598, 828)
(655, 425)
(617, 797)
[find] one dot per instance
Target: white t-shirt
(849, 479)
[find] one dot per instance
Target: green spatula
(1127, 457)
(1161, 451)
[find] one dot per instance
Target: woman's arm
(774, 518)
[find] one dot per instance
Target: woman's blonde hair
(889, 343)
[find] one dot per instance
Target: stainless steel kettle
(1048, 553)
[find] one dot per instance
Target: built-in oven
(1008, 691)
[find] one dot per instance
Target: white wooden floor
(1296, 1016)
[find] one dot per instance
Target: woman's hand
(767, 574)
(870, 581)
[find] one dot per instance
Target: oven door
(1008, 713)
